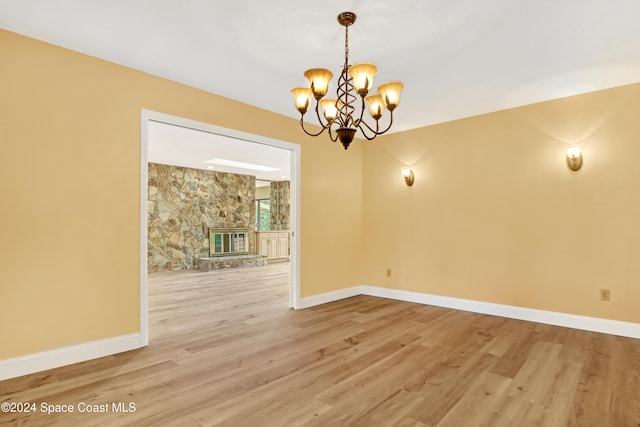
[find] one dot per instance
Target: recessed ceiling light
(210, 167)
(283, 177)
(241, 165)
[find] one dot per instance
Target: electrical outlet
(605, 294)
(388, 272)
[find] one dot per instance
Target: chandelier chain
(346, 46)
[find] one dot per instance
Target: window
(263, 214)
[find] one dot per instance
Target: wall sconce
(574, 157)
(408, 176)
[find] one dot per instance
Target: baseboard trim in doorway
(29, 364)
(567, 320)
(314, 300)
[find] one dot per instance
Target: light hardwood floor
(225, 350)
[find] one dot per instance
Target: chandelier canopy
(341, 117)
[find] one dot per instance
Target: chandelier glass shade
(343, 116)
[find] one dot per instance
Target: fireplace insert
(228, 241)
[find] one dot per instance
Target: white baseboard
(11, 368)
(593, 324)
(330, 297)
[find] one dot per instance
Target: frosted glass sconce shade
(408, 176)
(574, 157)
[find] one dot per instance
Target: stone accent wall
(280, 205)
(183, 203)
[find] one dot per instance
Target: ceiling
(456, 58)
(190, 148)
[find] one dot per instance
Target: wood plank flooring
(225, 350)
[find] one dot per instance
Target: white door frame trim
(145, 117)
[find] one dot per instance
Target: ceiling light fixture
(341, 115)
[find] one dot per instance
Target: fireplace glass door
(228, 241)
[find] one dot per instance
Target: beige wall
(70, 243)
(495, 214)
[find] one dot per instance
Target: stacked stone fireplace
(184, 204)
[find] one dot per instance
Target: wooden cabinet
(274, 244)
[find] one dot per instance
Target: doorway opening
(250, 143)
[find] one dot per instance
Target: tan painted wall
(69, 242)
(495, 214)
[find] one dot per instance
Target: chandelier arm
(331, 136)
(388, 127)
(362, 108)
(319, 117)
(374, 131)
(363, 130)
(310, 133)
(377, 131)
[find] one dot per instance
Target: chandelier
(341, 117)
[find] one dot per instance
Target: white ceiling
(190, 148)
(457, 58)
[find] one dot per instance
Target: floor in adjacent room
(225, 349)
